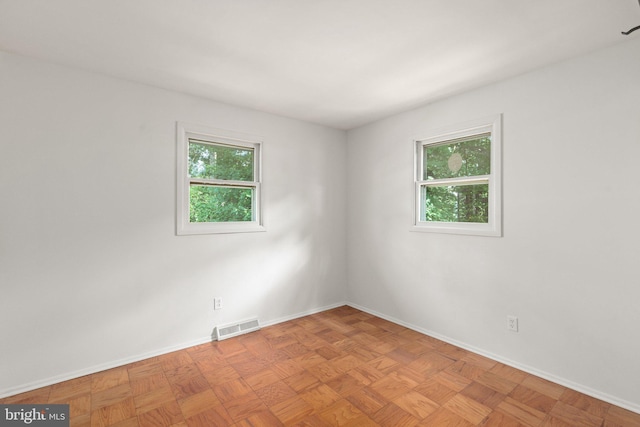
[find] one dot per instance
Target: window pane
(470, 156)
(220, 162)
(209, 203)
(457, 203)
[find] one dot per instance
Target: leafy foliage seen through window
(465, 200)
(216, 193)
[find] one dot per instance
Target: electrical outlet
(217, 303)
(512, 323)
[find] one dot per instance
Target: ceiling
(340, 63)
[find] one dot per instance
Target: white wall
(91, 271)
(92, 274)
(567, 265)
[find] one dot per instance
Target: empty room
(319, 213)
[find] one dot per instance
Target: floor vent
(235, 329)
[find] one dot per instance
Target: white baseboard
(120, 362)
(634, 407)
(558, 380)
(304, 313)
(98, 368)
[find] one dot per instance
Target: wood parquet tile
(342, 367)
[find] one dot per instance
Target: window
(218, 181)
(457, 180)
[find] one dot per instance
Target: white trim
(184, 131)
(455, 181)
(492, 125)
(127, 360)
(99, 368)
(533, 371)
(304, 313)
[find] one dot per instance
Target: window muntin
(458, 186)
(219, 184)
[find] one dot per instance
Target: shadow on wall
(117, 283)
(270, 275)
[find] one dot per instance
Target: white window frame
(187, 131)
(491, 125)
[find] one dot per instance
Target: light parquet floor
(341, 367)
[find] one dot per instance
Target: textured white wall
(567, 265)
(91, 271)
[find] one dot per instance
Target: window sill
(226, 228)
(457, 228)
